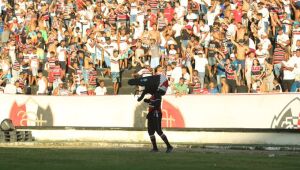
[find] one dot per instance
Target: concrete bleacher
(124, 87)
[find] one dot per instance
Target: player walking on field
(154, 119)
(154, 122)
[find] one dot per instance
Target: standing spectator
(42, 84)
(242, 50)
(56, 75)
(169, 12)
(296, 84)
(180, 12)
(109, 48)
(220, 70)
(123, 48)
(201, 64)
(266, 43)
(154, 53)
(115, 71)
(237, 14)
(257, 74)
(268, 77)
(288, 67)
(231, 77)
(212, 13)
(196, 83)
(62, 55)
(191, 17)
(34, 66)
(261, 54)
(280, 51)
(213, 47)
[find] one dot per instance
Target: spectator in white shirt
(201, 64)
(61, 51)
(81, 90)
(101, 89)
(10, 88)
(288, 73)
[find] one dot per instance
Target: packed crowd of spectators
(203, 46)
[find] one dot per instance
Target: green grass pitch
(141, 159)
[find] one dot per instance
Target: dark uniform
(154, 121)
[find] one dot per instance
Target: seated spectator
(181, 88)
(101, 89)
(19, 90)
(10, 88)
(61, 90)
(81, 90)
(212, 88)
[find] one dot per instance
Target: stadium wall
(233, 119)
(192, 111)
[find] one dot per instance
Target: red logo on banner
(18, 114)
(171, 116)
(31, 113)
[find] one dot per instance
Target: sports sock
(153, 141)
(165, 139)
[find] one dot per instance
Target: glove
(147, 100)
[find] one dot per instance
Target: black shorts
(154, 124)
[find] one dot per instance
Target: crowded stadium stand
(92, 47)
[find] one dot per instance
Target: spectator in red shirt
(151, 18)
(80, 4)
(169, 13)
(238, 14)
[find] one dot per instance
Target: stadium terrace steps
(124, 87)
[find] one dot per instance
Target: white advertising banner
(191, 111)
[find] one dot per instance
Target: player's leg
(151, 131)
(157, 122)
